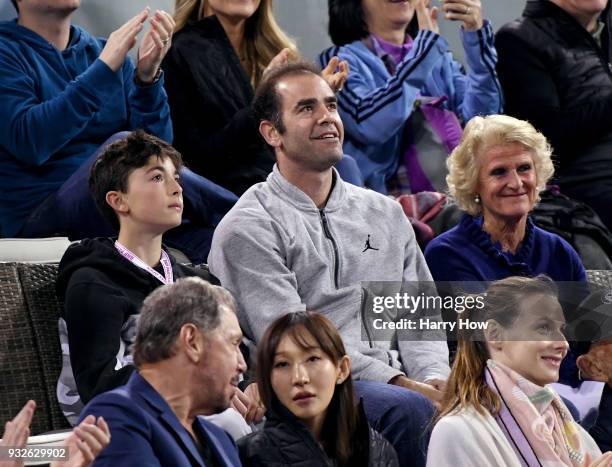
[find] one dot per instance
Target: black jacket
(555, 75)
(101, 291)
(210, 98)
(285, 441)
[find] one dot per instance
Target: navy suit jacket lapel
(165, 413)
(216, 445)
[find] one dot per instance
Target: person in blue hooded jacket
(63, 94)
(406, 98)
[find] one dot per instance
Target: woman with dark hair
(304, 377)
(498, 409)
(406, 97)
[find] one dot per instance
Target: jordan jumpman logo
(368, 246)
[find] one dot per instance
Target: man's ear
(116, 200)
(270, 133)
(590, 368)
(192, 342)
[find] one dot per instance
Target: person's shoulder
(371, 199)
(457, 422)
(551, 239)
(121, 401)
(88, 260)
(512, 27)
(354, 52)
(255, 444)
(258, 204)
(519, 31)
(448, 241)
(205, 33)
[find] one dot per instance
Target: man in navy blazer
(189, 363)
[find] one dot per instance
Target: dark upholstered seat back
(30, 353)
(38, 283)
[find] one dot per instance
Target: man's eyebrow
(331, 99)
(303, 102)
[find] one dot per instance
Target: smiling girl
(304, 377)
(498, 408)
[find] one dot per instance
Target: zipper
(363, 322)
(334, 245)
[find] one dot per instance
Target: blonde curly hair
(481, 134)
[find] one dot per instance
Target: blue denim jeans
(72, 211)
(402, 416)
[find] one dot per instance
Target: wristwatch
(142, 84)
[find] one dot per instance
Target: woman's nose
(300, 375)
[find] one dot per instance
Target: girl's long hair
(466, 386)
(263, 37)
(342, 415)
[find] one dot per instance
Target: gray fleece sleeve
(249, 263)
(426, 358)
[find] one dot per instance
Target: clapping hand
(121, 41)
(154, 46)
(336, 73)
(281, 59)
(468, 11)
(84, 443)
(427, 17)
(16, 432)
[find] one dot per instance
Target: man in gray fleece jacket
(304, 239)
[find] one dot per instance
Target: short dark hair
(347, 23)
(112, 168)
(167, 309)
(267, 103)
(14, 2)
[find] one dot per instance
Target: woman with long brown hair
(304, 378)
(498, 409)
(220, 52)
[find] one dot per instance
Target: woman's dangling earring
(477, 199)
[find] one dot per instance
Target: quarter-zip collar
(293, 195)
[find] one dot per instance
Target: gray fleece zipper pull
(334, 245)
